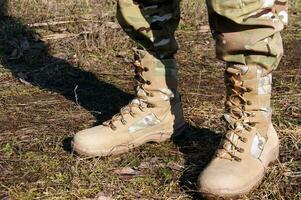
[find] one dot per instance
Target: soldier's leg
(156, 112)
(247, 34)
(151, 24)
(248, 31)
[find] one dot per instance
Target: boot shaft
(249, 92)
(156, 79)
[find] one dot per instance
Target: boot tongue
(234, 116)
(235, 77)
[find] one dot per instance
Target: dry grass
(84, 48)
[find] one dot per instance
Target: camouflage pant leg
(151, 23)
(248, 31)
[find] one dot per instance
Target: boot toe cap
(218, 181)
(92, 142)
(229, 181)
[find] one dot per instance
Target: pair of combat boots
(249, 144)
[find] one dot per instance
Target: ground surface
(59, 78)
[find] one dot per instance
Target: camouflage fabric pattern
(152, 24)
(246, 31)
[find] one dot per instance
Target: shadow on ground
(29, 59)
(198, 146)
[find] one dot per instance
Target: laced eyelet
(237, 159)
(225, 145)
(244, 140)
(141, 108)
(151, 95)
(132, 114)
(137, 63)
(148, 82)
(249, 89)
(114, 128)
(123, 122)
(253, 124)
(228, 103)
(240, 150)
(150, 105)
(248, 129)
(228, 135)
(146, 69)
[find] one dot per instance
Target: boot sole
(123, 148)
(275, 155)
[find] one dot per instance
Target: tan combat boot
(251, 142)
(153, 116)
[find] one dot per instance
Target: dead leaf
(126, 171)
(204, 29)
(175, 166)
(22, 78)
(100, 196)
(103, 198)
(150, 163)
(25, 82)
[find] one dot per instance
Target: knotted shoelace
(140, 101)
(236, 117)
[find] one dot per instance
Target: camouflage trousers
(245, 31)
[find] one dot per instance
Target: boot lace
(236, 117)
(140, 101)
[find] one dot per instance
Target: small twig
(96, 112)
(201, 94)
(76, 96)
(41, 24)
(64, 35)
(288, 94)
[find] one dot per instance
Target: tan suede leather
(154, 115)
(251, 142)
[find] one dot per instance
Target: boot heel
(275, 156)
(270, 157)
